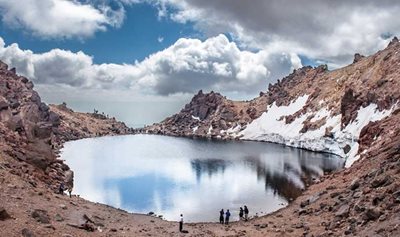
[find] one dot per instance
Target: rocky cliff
(28, 129)
(32, 132)
(312, 108)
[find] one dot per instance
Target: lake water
(169, 175)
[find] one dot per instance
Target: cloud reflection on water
(169, 176)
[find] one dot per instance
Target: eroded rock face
(27, 126)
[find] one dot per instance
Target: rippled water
(169, 176)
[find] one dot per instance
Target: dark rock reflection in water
(169, 175)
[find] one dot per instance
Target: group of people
(224, 216)
(62, 188)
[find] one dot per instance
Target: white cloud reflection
(170, 176)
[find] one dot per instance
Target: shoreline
(155, 215)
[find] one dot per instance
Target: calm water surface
(169, 176)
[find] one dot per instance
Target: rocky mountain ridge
(312, 108)
(32, 132)
(76, 125)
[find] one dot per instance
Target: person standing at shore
(181, 224)
(221, 216)
(241, 213)
(227, 215)
(246, 213)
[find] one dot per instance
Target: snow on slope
(272, 128)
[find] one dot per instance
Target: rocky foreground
(363, 200)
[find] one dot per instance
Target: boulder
(343, 211)
(41, 216)
(3, 105)
(380, 181)
(43, 130)
(355, 184)
(27, 233)
(4, 214)
(372, 214)
(358, 57)
(54, 119)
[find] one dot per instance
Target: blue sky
(107, 53)
(136, 39)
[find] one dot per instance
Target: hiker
(61, 189)
(246, 213)
(69, 181)
(70, 191)
(221, 216)
(227, 215)
(181, 224)
(241, 213)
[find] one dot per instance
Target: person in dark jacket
(221, 216)
(246, 213)
(61, 189)
(181, 224)
(241, 213)
(227, 215)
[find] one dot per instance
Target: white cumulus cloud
(329, 31)
(59, 18)
(185, 67)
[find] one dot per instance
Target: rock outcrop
(77, 125)
(28, 129)
(32, 132)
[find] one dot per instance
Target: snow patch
(195, 118)
(271, 128)
(232, 132)
(269, 122)
(209, 130)
(353, 156)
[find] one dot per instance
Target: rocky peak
(393, 42)
(358, 57)
(203, 104)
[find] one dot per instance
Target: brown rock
(4, 214)
(380, 181)
(372, 214)
(27, 233)
(343, 211)
(355, 184)
(41, 216)
(358, 57)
